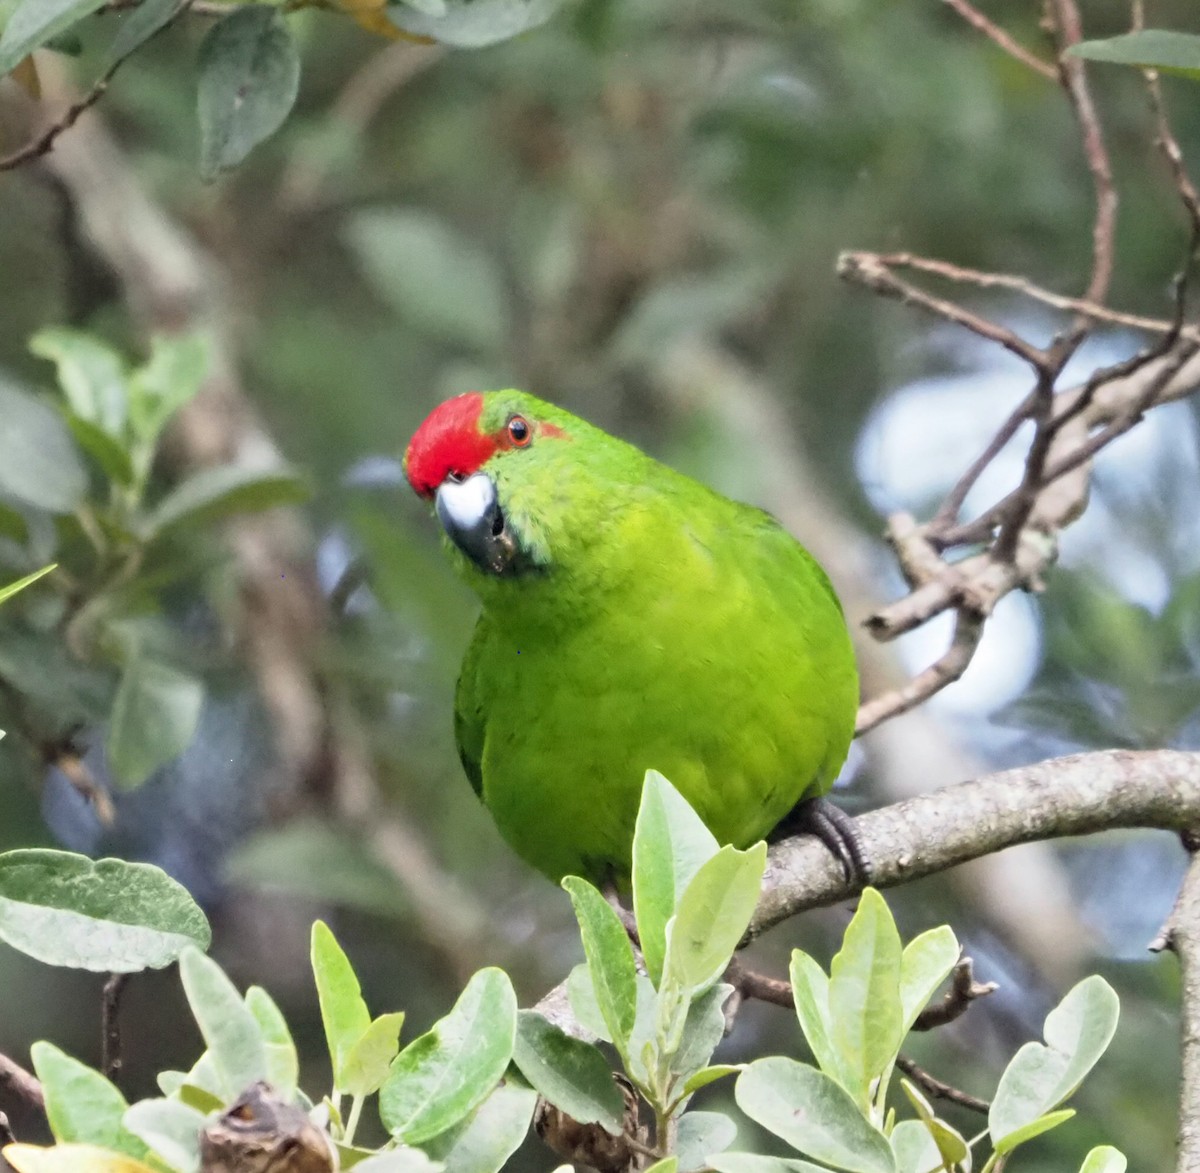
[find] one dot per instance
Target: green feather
(663, 627)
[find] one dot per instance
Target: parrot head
(476, 458)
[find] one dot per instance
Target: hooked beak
(470, 514)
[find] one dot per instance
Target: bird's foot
(833, 827)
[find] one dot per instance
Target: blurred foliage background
(634, 210)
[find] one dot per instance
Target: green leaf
(249, 78)
(108, 453)
(707, 1075)
(39, 463)
(1162, 49)
(703, 1030)
(441, 1077)
(714, 913)
(864, 994)
(813, 1114)
(34, 22)
(82, 1106)
(368, 1060)
(810, 992)
(71, 1158)
(230, 1030)
(171, 377)
(283, 1064)
(108, 916)
(753, 1163)
(915, 1149)
(217, 492)
(951, 1146)
(138, 26)
(1019, 1136)
(344, 1013)
(926, 963)
(573, 1075)
(495, 1131)
(170, 1128)
(90, 372)
(438, 281)
(666, 1165)
(398, 1161)
(670, 842)
(1077, 1032)
(609, 957)
(1104, 1159)
(472, 24)
(154, 716)
(700, 1136)
(581, 995)
(7, 592)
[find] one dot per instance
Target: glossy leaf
(171, 377)
(139, 25)
(71, 1158)
(810, 992)
(707, 1075)
(108, 453)
(1148, 49)
(443, 1076)
(283, 1064)
(700, 1136)
(170, 1128)
(34, 22)
(753, 1163)
(949, 1142)
(82, 1106)
(670, 842)
(344, 1013)
(864, 993)
(815, 1115)
(472, 24)
(154, 717)
(231, 1032)
(496, 1130)
(12, 588)
(1027, 1132)
(91, 374)
(39, 463)
(106, 915)
(214, 493)
(249, 78)
(573, 1075)
(368, 1061)
(714, 913)
(609, 957)
(1077, 1032)
(1104, 1159)
(926, 962)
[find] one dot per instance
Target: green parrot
(632, 619)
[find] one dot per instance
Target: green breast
(696, 638)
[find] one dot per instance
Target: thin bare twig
(999, 37)
(939, 1090)
(964, 989)
(868, 269)
(43, 143)
(14, 1077)
(110, 1025)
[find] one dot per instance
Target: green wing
(469, 720)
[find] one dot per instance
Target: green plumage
(661, 626)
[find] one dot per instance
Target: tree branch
(1075, 795)
(999, 37)
(14, 1077)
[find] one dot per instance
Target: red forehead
(449, 441)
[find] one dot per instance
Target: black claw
(836, 829)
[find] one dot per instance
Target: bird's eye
(519, 431)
